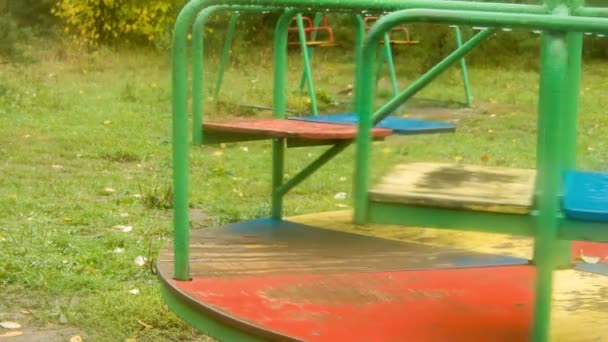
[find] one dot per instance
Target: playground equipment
(311, 31)
(277, 279)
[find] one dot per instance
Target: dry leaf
(130, 340)
(485, 158)
(140, 261)
(145, 325)
(67, 219)
(340, 196)
(25, 312)
(218, 153)
(12, 334)
(10, 325)
(588, 259)
(76, 338)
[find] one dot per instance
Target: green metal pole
(314, 166)
(553, 85)
(381, 60)
(316, 22)
(463, 68)
(181, 242)
(430, 75)
(388, 52)
(307, 70)
(279, 105)
(197, 73)
(359, 38)
(225, 53)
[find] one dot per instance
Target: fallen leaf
(340, 196)
(140, 261)
(218, 153)
(12, 334)
(10, 325)
(588, 259)
(109, 190)
(134, 291)
(57, 167)
(485, 158)
(245, 149)
(145, 325)
(76, 338)
(107, 122)
(490, 130)
(25, 312)
(67, 219)
(130, 340)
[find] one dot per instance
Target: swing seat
(462, 187)
(400, 126)
(296, 131)
(309, 30)
(586, 196)
(406, 40)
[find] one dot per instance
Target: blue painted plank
(398, 125)
(586, 196)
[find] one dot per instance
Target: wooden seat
(491, 189)
(257, 129)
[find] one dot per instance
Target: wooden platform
(458, 186)
(287, 280)
(290, 129)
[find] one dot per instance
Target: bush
(91, 22)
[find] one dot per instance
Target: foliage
(8, 37)
(91, 22)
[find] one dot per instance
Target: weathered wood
(293, 129)
(469, 187)
(263, 247)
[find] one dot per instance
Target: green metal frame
(562, 22)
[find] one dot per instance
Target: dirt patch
(32, 332)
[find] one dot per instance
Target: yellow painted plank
(469, 187)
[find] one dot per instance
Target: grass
(85, 151)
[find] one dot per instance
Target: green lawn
(85, 154)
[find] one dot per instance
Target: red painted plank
(281, 128)
(483, 304)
